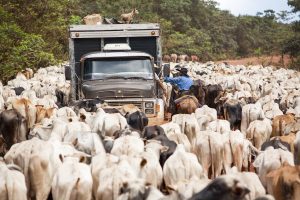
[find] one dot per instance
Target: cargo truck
(117, 63)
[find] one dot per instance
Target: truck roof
(113, 54)
(114, 30)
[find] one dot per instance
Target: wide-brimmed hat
(183, 71)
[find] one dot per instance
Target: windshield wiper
(137, 77)
(115, 77)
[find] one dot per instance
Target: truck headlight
(149, 111)
(149, 105)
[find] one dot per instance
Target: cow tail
(19, 121)
(225, 113)
(211, 157)
(102, 132)
(254, 131)
(10, 188)
(232, 155)
(27, 113)
(280, 126)
(141, 126)
(71, 187)
(248, 119)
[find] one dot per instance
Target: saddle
(180, 99)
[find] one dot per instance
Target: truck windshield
(117, 68)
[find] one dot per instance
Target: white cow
(188, 125)
(259, 131)
(128, 145)
(12, 184)
(220, 126)
(251, 112)
(107, 124)
(73, 180)
(181, 166)
(39, 161)
(209, 148)
(149, 166)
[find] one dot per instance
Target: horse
(187, 104)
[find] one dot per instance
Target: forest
(34, 33)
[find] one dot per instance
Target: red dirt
(275, 60)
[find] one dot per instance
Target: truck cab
(118, 73)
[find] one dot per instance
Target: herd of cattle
(243, 143)
(180, 58)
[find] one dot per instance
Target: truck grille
(137, 104)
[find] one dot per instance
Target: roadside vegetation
(34, 33)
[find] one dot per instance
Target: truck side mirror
(68, 72)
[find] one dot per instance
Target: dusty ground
(263, 60)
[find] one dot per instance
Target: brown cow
(174, 57)
(28, 73)
(280, 122)
(167, 58)
(26, 109)
(194, 58)
(42, 113)
(284, 183)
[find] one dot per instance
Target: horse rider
(183, 82)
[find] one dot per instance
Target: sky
(251, 7)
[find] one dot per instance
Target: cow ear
(171, 188)
(82, 159)
(143, 162)
(82, 117)
(75, 142)
(61, 158)
(164, 148)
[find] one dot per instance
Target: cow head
(224, 187)
(137, 120)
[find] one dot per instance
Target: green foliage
(18, 49)
(34, 33)
(292, 44)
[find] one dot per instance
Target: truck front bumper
(152, 107)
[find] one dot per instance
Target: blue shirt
(183, 82)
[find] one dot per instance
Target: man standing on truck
(183, 81)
